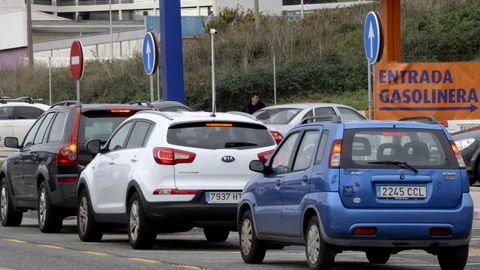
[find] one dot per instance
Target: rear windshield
(280, 116)
(417, 147)
(99, 125)
(215, 135)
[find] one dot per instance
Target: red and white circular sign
(76, 60)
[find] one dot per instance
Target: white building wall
(13, 28)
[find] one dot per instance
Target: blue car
(377, 187)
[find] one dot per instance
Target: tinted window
(220, 135)
(419, 148)
(139, 134)
(99, 125)
(309, 114)
(321, 148)
(306, 150)
(25, 112)
(279, 116)
(56, 131)
(43, 128)
(118, 140)
(31, 134)
(324, 112)
(5, 113)
(282, 162)
(349, 114)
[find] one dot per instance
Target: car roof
(66, 105)
(167, 104)
(378, 124)
(182, 117)
(304, 105)
(25, 104)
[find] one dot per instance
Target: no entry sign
(76, 60)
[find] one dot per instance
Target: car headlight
(462, 144)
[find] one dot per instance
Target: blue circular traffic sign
(149, 53)
(372, 37)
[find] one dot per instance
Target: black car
(43, 174)
(468, 142)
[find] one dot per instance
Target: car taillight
(277, 136)
(444, 123)
(335, 154)
(458, 155)
(264, 156)
(174, 191)
(169, 156)
(68, 154)
(440, 232)
(365, 231)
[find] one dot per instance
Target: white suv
(170, 172)
(16, 118)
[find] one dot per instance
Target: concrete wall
(13, 29)
(269, 7)
(9, 59)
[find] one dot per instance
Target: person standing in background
(254, 104)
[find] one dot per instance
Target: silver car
(284, 117)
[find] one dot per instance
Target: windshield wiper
(403, 165)
(239, 144)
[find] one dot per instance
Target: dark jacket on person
(249, 108)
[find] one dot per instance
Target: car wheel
(141, 233)
(320, 255)
(378, 256)
(8, 216)
(476, 175)
(454, 258)
(216, 234)
(50, 219)
(252, 249)
(88, 229)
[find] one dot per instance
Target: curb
(475, 193)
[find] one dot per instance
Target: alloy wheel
(246, 236)
(3, 203)
(313, 244)
(134, 220)
(83, 215)
(42, 207)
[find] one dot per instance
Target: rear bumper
(64, 195)
(396, 228)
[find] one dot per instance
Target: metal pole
(78, 91)
(50, 80)
(370, 90)
(158, 85)
(151, 89)
(257, 14)
(111, 31)
(212, 34)
(29, 34)
(301, 9)
(274, 81)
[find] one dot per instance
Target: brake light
(335, 154)
(174, 192)
(365, 231)
(219, 125)
(68, 154)
(458, 155)
(169, 156)
(67, 179)
(394, 133)
(277, 136)
(120, 111)
(264, 156)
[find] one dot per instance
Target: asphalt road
(25, 248)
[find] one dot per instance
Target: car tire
(320, 255)
(476, 175)
(50, 219)
(453, 258)
(216, 234)
(9, 217)
(253, 250)
(88, 229)
(141, 233)
(378, 256)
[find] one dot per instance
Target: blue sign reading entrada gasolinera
(444, 90)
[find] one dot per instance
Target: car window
(321, 147)
(118, 140)
(139, 133)
(25, 112)
(306, 150)
(349, 114)
(324, 112)
(225, 135)
(56, 132)
(43, 128)
(31, 133)
(5, 113)
(282, 162)
(278, 116)
(99, 125)
(308, 114)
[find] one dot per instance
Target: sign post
(76, 64)
(373, 43)
(150, 61)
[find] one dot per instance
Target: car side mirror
(257, 166)
(94, 146)
(11, 142)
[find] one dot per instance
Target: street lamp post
(212, 35)
(111, 30)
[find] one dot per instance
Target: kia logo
(228, 159)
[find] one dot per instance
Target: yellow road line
(50, 246)
(191, 267)
(3, 268)
(143, 260)
(96, 253)
(15, 241)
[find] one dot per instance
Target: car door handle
(278, 182)
(134, 159)
(305, 179)
(111, 162)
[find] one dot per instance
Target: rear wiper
(403, 165)
(239, 144)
